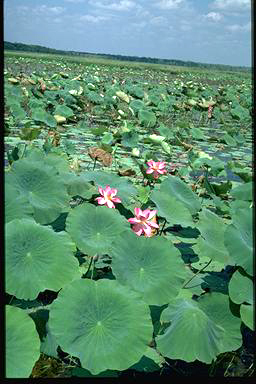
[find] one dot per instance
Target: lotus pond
(128, 220)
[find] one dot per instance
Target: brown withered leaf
(99, 154)
(126, 172)
(55, 138)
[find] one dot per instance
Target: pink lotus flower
(108, 198)
(144, 221)
(156, 167)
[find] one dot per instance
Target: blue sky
(208, 31)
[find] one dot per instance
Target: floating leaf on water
(12, 80)
(199, 330)
(60, 119)
(134, 263)
(113, 317)
(21, 340)
(123, 96)
(28, 246)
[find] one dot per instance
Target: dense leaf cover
(84, 281)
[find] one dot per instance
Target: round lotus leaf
(173, 210)
(211, 243)
(17, 205)
(147, 118)
(37, 258)
(247, 315)
(199, 330)
(238, 239)
(93, 229)
(242, 192)
(104, 324)
(43, 187)
(22, 343)
(55, 160)
(177, 188)
(240, 288)
(151, 266)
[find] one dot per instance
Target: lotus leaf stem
(197, 273)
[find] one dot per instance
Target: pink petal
(161, 171)
(116, 200)
(146, 213)
(110, 204)
(161, 164)
(151, 163)
(138, 229)
(101, 191)
(113, 191)
(133, 220)
(147, 230)
(108, 190)
(138, 212)
(151, 214)
(100, 200)
(153, 224)
(150, 170)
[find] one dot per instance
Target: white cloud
(48, 10)
(123, 5)
(214, 16)
(185, 26)
(56, 20)
(92, 19)
(141, 12)
(75, 1)
(158, 20)
(22, 8)
(169, 4)
(231, 4)
(139, 25)
(239, 28)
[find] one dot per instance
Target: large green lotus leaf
(22, 343)
(246, 313)
(43, 187)
(238, 239)
(147, 118)
(93, 229)
(173, 210)
(242, 192)
(37, 258)
(240, 288)
(17, 204)
(217, 307)
(211, 243)
(125, 190)
(77, 186)
(175, 186)
(151, 266)
(63, 110)
(136, 105)
(103, 323)
(39, 114)
(199, 330)
(56, 160)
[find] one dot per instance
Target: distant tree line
(40, 49)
